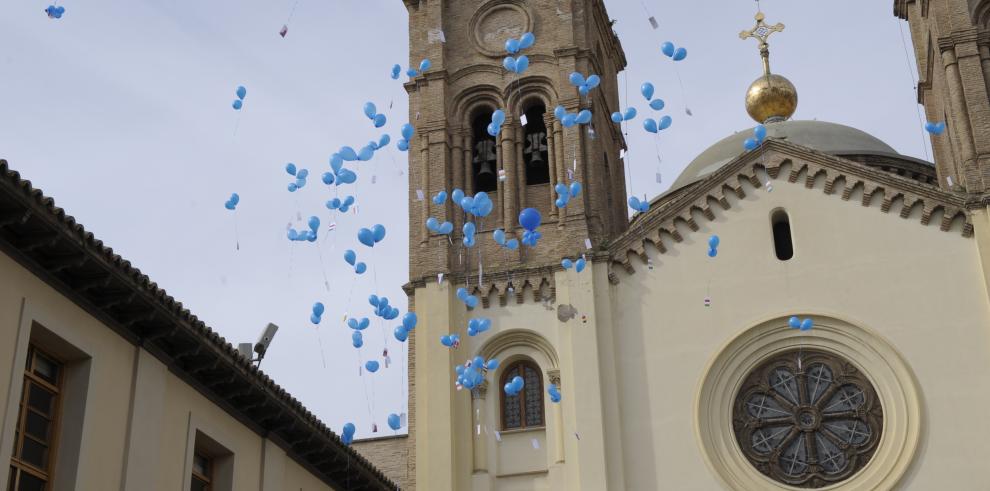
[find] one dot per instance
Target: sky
(121, 111)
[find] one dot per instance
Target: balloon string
(684, 97)
(627, 164)
(323, 268)
(292, 12)
(323, 354)
(364, 384)
(237, 239)
(237, 123)
(914, 83)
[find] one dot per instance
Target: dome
(831, 138)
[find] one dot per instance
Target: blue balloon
(384, 141)
(303, 173)
(567, 263)
(237, 104)
(576, 79)
(462, 294)
(401, 334)
(584, 89)
(559, 112)
(469, 228)
(751, 144)
(667, 48)
(348, 429)
(713, 241)
(402, 145)
(378, 232)
(396, 69)
(315, 319)
(634, 203)
(522, 63)
(457, 195)
(512, 244)
(629, 114)
(380, 120)
(593, 81)
(290, 168)
(350, 256)
(575, 189)
(583, 117)
(370, 110)
(371, 366)
(336, 162)
(527, 40)
(357, 339)
(446, 341)
(314, 223)
(492, 364)
(498, 117)
(760, 132)
(360, 268)
(616, 117)
(446, 228)
(664, 123)
(411, 72)
(328, 178)
(318, 308)
(712, 252)
(568, 120)
(499, 236)
(509, 63)
(579, 265)
(366, 153)
(393, 421)
(657, 104)
(794, 322)
(409, 321)
(366, 237)
(348, 154)
(647, 90)
(424, 65)
(512, 45)
(472, 301)
(493, 129)
(807, 324)
(680, 54)
(650, 125)
(530, 219)
(241, 92)
(408, 131)
(432, 224)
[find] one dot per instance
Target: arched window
(524, 410)
(535, 152)
(782, 235)
(484, 154)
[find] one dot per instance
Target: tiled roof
(50, 243)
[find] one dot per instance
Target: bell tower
(451, 105)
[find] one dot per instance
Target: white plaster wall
(918, 287)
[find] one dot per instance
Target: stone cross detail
(762, 32)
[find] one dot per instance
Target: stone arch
(464, 106)
(539, 348)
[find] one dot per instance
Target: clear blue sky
(121, 112)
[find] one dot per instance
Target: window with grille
(523, 410)
(37, 424)
(807, 419)
(536, 154)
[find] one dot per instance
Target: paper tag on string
(481, 273)
(284, 30)
(523, 120)
(653, 23)
(390, 104)
(402, 419)
(659, 178)
(298, 216)
(622, 153)
(478, 429)
(374, 428)
(948, 179)
(536, 444)
(574, 166)
(360, 371)
(591, 132)
(434, 36)
(577, 436)
(417, 115)
(570, 175)
(501, 174)
(587, 243)
(439, 278)
(498, 436)
(374, 178)
(688, 111)
(419, 195)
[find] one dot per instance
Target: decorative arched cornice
(464, 103)
(677, 212)
(524, 90)
(520, 337)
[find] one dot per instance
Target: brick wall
(389, 454)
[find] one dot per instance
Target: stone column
(552, 166)
(985, 64)
(557, 421)
(479, 428)
(961, 131)
(508, 188)
(457, 162)
(521, 166)
(558, 160)
(424, 184)
(468, 165)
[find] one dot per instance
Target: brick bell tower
(451, 105)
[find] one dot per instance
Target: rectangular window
(202, 475)
(37, 424)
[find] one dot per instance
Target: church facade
(837, 337)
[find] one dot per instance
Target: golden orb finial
(771, 97)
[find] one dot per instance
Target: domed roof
(831, 138)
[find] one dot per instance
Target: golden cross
(762, 32)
